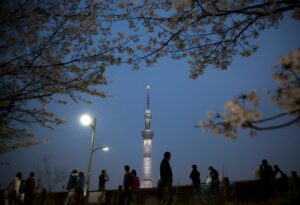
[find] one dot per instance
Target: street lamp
(87, 121)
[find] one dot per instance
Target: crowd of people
(22, 191)
(164, 186)
(273, 180)
(75, 187)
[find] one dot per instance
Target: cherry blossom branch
(275, 117)
(295, 120)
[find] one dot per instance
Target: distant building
(147, 135)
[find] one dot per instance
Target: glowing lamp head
(148, 87)
(105, 149)
(86, 120)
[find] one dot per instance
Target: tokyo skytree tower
(147, 135)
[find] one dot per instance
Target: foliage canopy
(51, 48)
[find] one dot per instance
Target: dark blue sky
(177, 104)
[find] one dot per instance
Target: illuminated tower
(147, 135)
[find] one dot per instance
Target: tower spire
(148, 96)
(147, 135)
(147, 116)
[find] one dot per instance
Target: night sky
(177, 104)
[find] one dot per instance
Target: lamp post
(87, 121)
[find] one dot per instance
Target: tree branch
(274, 117)
(276, 126)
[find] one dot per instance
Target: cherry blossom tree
(50, 49)
(243, 113)
(204, 32)
(211, 33)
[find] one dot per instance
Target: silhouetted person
(14, 196)
(136, 186)
(166, 178)
(266, 176)
(265, 171)
(136, 180)
(71, 187)
(280, 180)
(72, 180)
(127, 185)
(29, 189)
(103, 177)
(80, 186)
(195, 177)
(214, 175)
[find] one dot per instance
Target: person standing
(71, 187)
(29, 189)
(266, 176)
(103, 178)
(14, 196)
(136, 187)
(265, 171)
(80, 186)
(136, 180)
(214, 174)
(127, 185)
(166, 178)
(195, 177)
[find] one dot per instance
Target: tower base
(146, 184)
